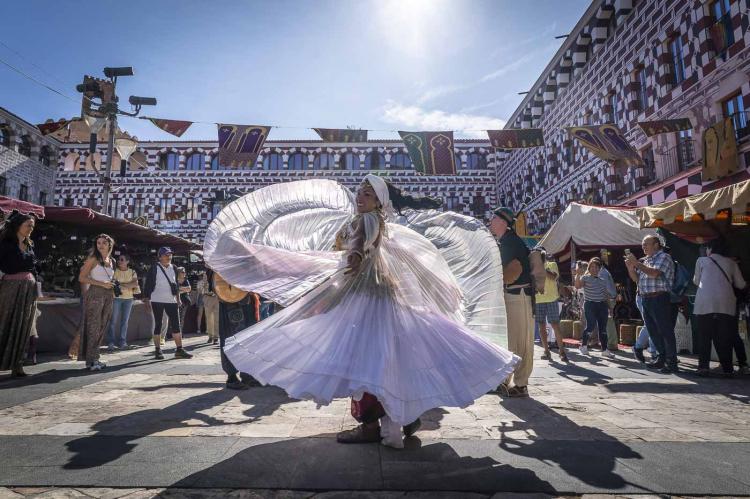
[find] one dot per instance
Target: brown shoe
(359, 435)
(518, 392)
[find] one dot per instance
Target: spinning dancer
(383, 322)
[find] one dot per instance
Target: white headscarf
(381, 191)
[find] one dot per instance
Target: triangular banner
(606, 142)
(239, 145)
(651, 128)
(341, 134)
(174, 127)
(431, 153)
(54, 126)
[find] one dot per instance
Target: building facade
(628, 61)
(28, 160)
(185, 178)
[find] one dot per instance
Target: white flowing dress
(395, 328)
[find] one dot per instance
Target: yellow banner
(719, 150)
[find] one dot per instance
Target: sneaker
(583, 350)
(412, 427)
(743, 370)
(656, 364)
(638, 353)
(97, 366)
(236, 385)
(608, 354)
(546, 355)
(158, 355)
(669, 369)
(182, 354)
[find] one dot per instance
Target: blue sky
(375, 64)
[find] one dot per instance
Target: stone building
(185, 176)
(28, 160)
(627, 61)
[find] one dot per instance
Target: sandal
(518, 392)
(564, 356)
(546, 355)
(359, 435)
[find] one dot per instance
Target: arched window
(4, 136)
(324, 161)
(476, 161)
(169, 161)
(44, 155)
(401, 161)
(459, 163)
(374, 161)
(273, 161)
(24, 147)
(195, 161)
(349, 161)
(298, 161)
(215, 162)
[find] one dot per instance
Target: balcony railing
(679, 158)
(741, 128)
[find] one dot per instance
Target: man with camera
(161, 294)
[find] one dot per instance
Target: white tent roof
(594, 226)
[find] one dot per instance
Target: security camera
(142, 101)
(115, 72)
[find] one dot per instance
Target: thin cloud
(415, 117)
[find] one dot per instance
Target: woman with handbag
(99, 273)
(716, 276)
(123, 304)
(18, 290)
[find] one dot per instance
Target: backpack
(680, 283)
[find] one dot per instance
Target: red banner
(174, 127)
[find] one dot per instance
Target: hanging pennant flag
(431, 152)
(174, 127)
(719, 150)
(341, 135)
(53, 126)
(518, 138)
(606, 142)
(651, 128)
(719, 36)
(239, 145)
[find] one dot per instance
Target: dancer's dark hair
(401, 200)
(9, 230)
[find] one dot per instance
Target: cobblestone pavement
(584, 428)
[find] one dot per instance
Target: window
(273, 161)
(189, 208)
(195, 161)
(92, 203)
(401, 161)
(684, 149)
(734, 108)
(193, 209)
(677, 60)
(42, 198)
(569, 153)
(166, 206)
(3, 186)
(24, 147)
(23, 192)
(349, 161)
(4, 136)
(215, 162)
(476, 161)
(169, 161)
(723, 17)
(452, 203)
(642, 98)
(68, 202)
(324, 161)
(138, 207)
(587, 118)
(216, 207)
(44, 155)
(298, 161)
(612, 101)
(459, 161)
(374, 161)
(114, 207)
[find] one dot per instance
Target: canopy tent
(593, 227)
(9, 205)
(705, 215)
(88, 221)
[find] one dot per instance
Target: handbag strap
(731, 284)
(165, 274)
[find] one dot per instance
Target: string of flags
(431, 152)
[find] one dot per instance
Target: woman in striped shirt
(596, 285)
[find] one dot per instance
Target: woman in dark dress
(17, 290)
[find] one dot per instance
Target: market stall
(9, 205)
(62, 241)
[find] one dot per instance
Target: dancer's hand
(353, 261)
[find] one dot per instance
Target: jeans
(118, 325)
(657, 314)
(597, 314)
(643, 341)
